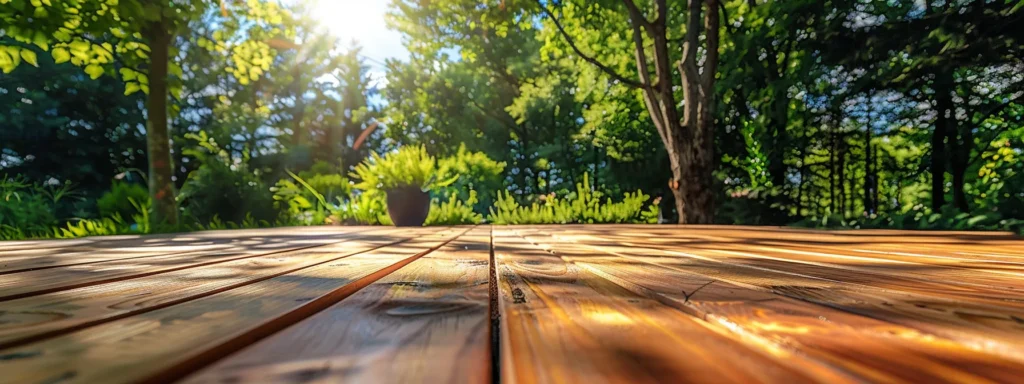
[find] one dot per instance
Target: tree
(687, 132)
(939, 41)
(135, 39)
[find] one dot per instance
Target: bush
(584, 207)
(474, 173)
(328, 181)
(949, 219)
(25, 209)
(224, 188)
(122, 199)
(100, 227)
(409, 166)
(367, 208)
(454, 212)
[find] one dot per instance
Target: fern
(454, 211)
(409, 166)
(586, 207)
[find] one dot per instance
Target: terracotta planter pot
(408, 206)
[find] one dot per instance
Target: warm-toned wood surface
(520, 304)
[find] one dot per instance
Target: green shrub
(454, 212)
(223, 187)
(367, 208)
(106, 226)
(301, 203)
(409, 166)
(328, 180)
(584, 207)
(25, 208)
(474, 173)
(949, 219)
(122, 199)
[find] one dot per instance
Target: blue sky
(362, 21)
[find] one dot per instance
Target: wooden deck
(549, 304)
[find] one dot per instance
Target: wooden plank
(137, 247)
(427, 322)
(981, 326)
(874, 350)
(561, 323)
(950, 283)
(37, 282)
(165, 344)
(972, 283)
(33, 318)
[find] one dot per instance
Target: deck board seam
(687, 308)
(85, 325)
(176, 253)
(172, 269)
(773, 291)
(274, 325)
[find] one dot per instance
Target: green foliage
(301, 203)
(473, 172)
(106, 226)
(223, 187)
(949, 219)
(122, 199)
(454, 212)
(407, 166)
(585, 207)
(24, 208)
(366, 208)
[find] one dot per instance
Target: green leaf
(128, 74)
(132, 87)
(94, 71)
(41, 41)
(60, 55)
(29, 57)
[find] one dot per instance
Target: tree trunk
(158, 141)
(869, 173)
(959, 158)
(832, 169)
(944, 124)
(688, 135)
(842, 181)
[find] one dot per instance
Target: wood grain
(987, 325)
(165, 344)
(37, 282)
(34, 318)
(558, 304)
(871, 349)
(114, 248)
(562, 324)
(426, 322)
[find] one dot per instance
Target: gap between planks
(80, 308)
(219, 324)
(71, 276)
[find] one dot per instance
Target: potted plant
(406, 177)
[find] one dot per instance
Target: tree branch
(585, 57)
(636, 20)
(638, 17)
(711, 30)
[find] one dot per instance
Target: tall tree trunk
(832, 169)
(869, 174)
(959, 157)
(842, 181)
(693, 149)
(158, 141)
(778, 124)
(688, 135)
(875, 180)
(945, 121)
